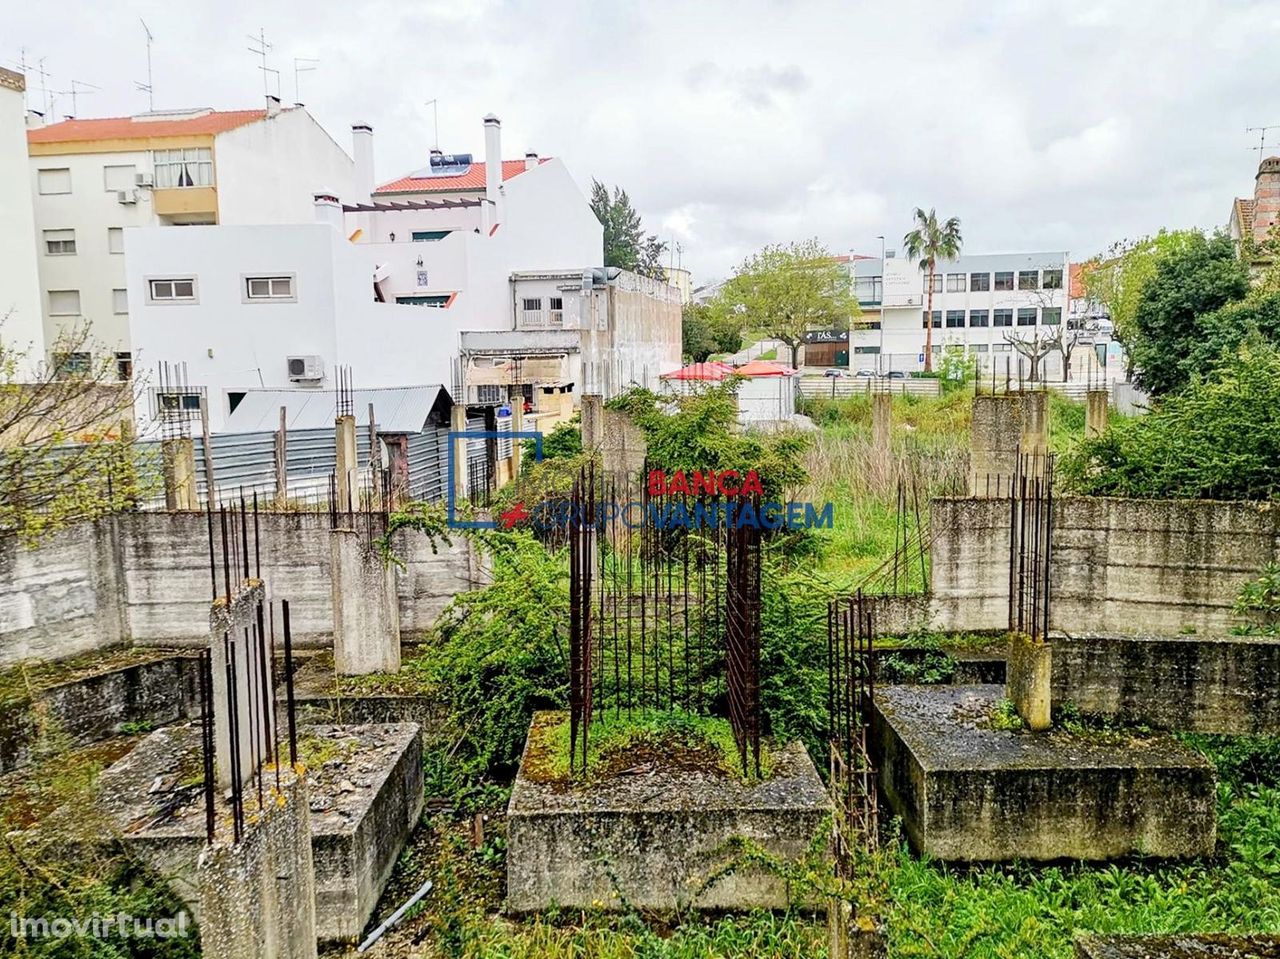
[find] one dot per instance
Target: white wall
(268, 172)
(90, 209)
(23, 327)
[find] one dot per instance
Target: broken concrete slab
(1185, 946)
(969, 792)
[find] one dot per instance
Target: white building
(93, 179)
(384, 287)
(980, 303)
(21, 325)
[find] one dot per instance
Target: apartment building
(93, 179)
(980, 303)
(21, 323)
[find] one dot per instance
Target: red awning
(713, 372)
(764, 368)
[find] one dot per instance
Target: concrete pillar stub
(592, 417)
(881, 420)
(231, 629)
(1028, 685)
(1095, 412)
(344, 430)
(517, 426)
(179, 458)
(1003, 427)
(458, 424)
(366, 608)
(258, 896)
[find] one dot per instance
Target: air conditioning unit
(143, 179)
(306, 369)
(127, 197)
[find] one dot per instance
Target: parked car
(865, 374)
(836, 371)
(895, 375)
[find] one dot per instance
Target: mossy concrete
(1208, 684)
(1186, 946)
(654, 836)
(969, 792)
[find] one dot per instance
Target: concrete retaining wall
(144, 577)
(1119, 566)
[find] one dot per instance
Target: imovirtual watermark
(121, 925)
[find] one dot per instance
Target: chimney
(273, 105)
(35, 119)
(493, 170)
(1266, 198)
(362, 151)
(329, 210)
(530, 160)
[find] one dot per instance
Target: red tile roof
(133, 128)
(473, 179)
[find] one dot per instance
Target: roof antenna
(297, 68)
(261, 50)
(1262, 139)
(145, 87)
(435, 120)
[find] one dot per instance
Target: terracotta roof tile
(473, 179)
(133, 128)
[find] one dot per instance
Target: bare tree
(1034, 345)
(67, 449)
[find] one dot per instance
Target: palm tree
(932, 241)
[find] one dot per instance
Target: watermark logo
(121, 925)
(497, 435)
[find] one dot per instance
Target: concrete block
(1029, 670)
(317, 700)
(366, 610)
(258, 896)
(653, 840)
(1207, 684)
(1183, 946)
(1095, 412)
(1005, 426)
(968, 792)
(242, 670)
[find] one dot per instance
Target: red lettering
(704, 483)
(655, 483)
(725, 477)
(751, 486)
(678, 484)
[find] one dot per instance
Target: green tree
(932, 241)
(1222, 331)
(1219, 438)
(784, 291)
(705, 333)
(626, 245)
(1195, 278)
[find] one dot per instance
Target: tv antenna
(261, 51)
(138, 84)
(435, 120)
(1262, 138)
(297, 69)
(78, 88)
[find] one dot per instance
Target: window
(1053, 279)
(1004, 281)
(937, 348)
(869, 289)
(429, 236)
(1001, 347)
(978, 318)
(937, 319)
(64, 302)
(866, 324)
(977, 347)
(269, 288)
(1028, 279)
(1051, 315)
(439, 301)
(115, 239)
(53, 181)
(60, 242)
(183, 168)
(555, 311)
(1002, 318)
(532, 311)
(119, 177)
(72, 364)
(937, 283)
(955, 319)
(119, 302)
(180, 289)
(124, 366)
(866, 350)
(979, 282)
(1027, 316)
(955, 283)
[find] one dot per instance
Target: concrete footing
(366, 608)
(655, 841)
(969, 792)
(1206, 684)
(1185, 946)
(1004, 427)
(258, 896)
(1028, 674)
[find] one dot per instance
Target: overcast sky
(1043, 126)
